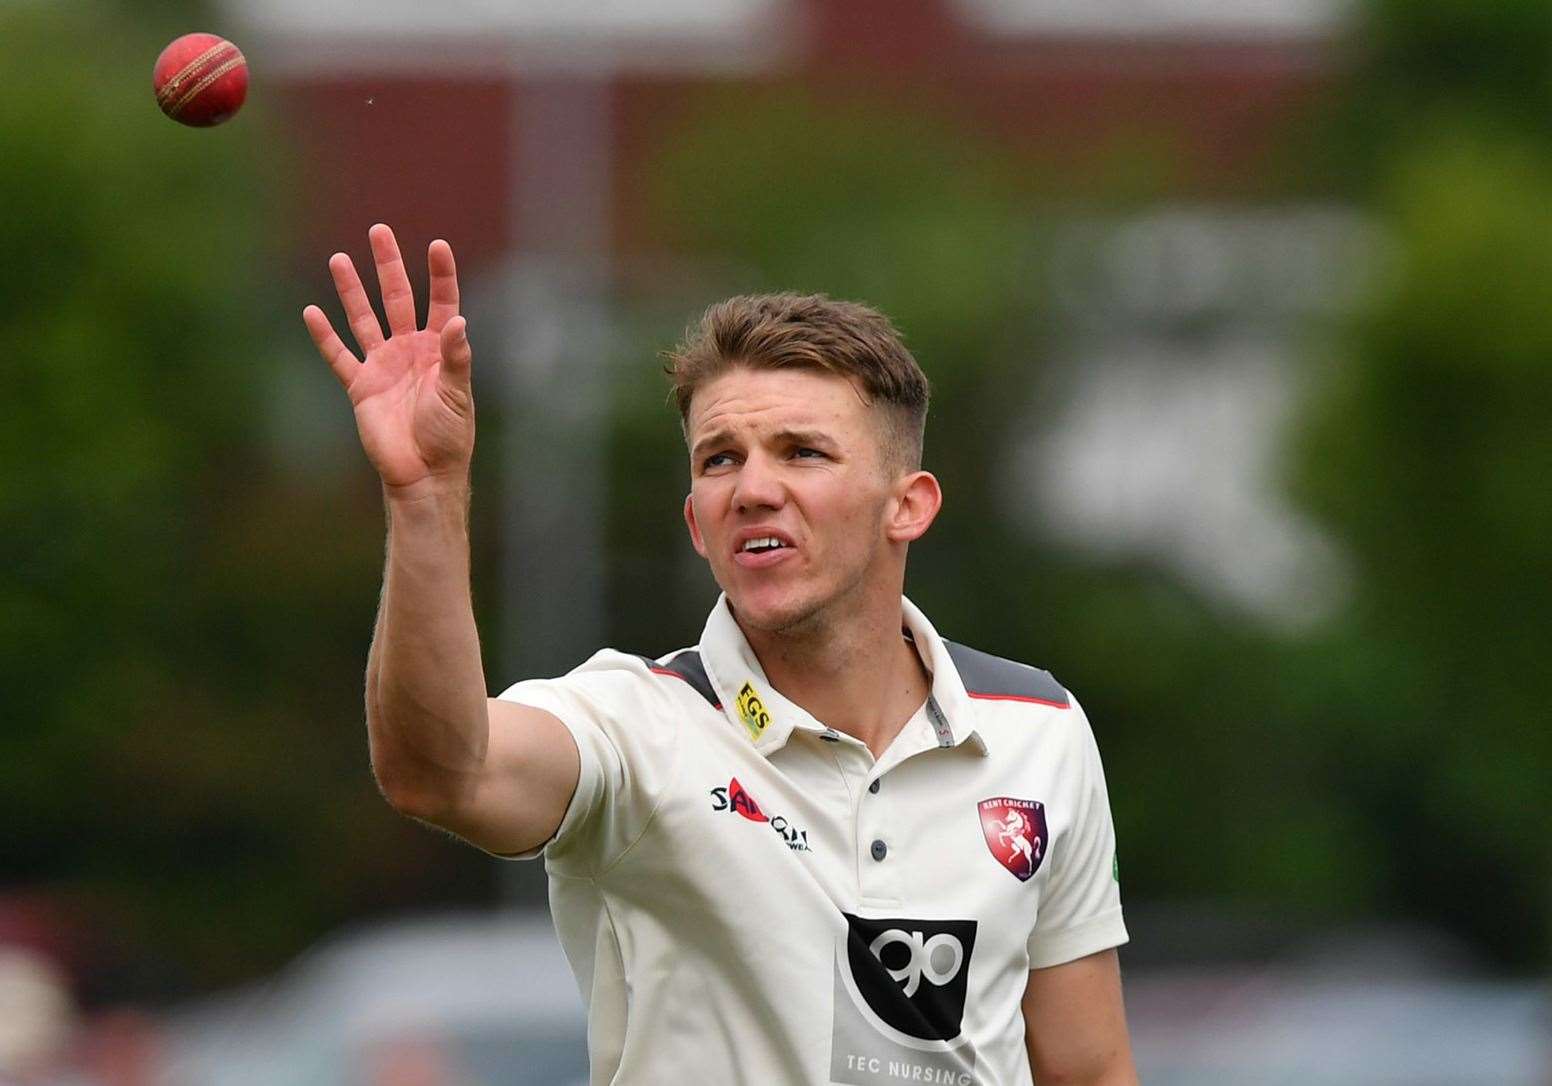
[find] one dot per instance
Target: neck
(858, 676)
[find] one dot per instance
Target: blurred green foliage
(1427, 448)
(180, 642)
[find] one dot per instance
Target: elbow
(431, 785)
(406, 799)
(417, 797)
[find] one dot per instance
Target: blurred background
(1239, 319)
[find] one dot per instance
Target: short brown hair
(809, 331)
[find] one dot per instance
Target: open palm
(411, 392)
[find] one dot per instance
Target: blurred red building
(388, 106)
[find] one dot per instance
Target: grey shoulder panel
(992, 677)
(687, 666)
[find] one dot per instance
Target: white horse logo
(1015, 832)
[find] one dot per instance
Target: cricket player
(800, 850)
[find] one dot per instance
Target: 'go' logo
(888, 958)
(920, 963)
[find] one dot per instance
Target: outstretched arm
(495, 773)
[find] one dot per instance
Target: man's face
(796, 457)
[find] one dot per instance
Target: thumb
(457, 358)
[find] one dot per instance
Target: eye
(805, 453)
(716, 460)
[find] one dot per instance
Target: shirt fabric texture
(746, 896)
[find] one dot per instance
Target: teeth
(762, 543)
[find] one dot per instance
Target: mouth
(758, 551)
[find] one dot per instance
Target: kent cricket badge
(1015, 832)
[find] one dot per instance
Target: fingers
(444, 285)
(335, 353)
(457, 358)
(398, 300)
(358, 311)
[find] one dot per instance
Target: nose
(759, 485)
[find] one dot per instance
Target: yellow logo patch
(751, 710)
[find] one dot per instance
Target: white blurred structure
(1266, 1029)
(463, 37)
(454, 1000)
(1367, 1006)
(1186, 332)
(1194, 18)
(36, 1014)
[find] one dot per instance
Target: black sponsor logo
(737, 799)
(913, 974)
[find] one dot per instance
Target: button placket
(876, 877)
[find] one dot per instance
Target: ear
(916, 503)
(695, 531)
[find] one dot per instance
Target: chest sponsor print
(1016, 833)
(735, 799)
(900, 997)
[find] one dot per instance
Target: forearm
(1120, 1073)
(1075, 1024)
(427, 720)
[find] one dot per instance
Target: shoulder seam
(994, 678)
(691, 671)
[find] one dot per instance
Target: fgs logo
(736, 799)
(912, 974)
(752, 711)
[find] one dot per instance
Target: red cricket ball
(200, 80)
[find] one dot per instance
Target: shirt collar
(954, 718)
(767, 718)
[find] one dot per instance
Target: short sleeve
(1080, 910)
(625, 722)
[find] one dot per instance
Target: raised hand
(411, 393)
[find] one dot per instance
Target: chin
(797, 609)
(771, 612)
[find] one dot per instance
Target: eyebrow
(716, 438)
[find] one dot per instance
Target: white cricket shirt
(747, 896)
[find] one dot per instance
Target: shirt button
(880, 850)
(874, 786)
